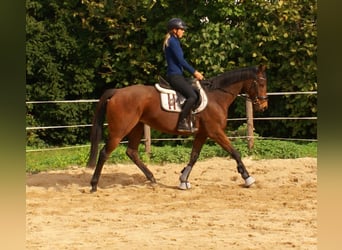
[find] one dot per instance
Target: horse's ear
(262, 68)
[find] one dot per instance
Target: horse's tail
(97, 128)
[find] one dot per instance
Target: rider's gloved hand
(198, 75)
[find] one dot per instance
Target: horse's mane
(229, 77)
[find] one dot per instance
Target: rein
(228, 92)
(255, 84)
(210, 85)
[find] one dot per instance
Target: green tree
(57, 68)
(280, 34)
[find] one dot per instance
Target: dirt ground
(278, 212)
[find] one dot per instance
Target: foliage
(57, 68)
(285, 38)
(288, 150)
(38, 161)
(263, 149)
(76, 49)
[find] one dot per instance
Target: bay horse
(128, 109)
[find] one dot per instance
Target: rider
(175, 65)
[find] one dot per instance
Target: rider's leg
(183, 121)
(179, 83)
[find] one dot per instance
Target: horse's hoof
(93, 189)
(249, 181)
(184, 185)
(152, 180)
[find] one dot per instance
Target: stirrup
(183, 129)
(194, 129)
(183, 126)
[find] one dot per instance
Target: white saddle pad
(172, 101)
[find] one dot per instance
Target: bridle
(255, 84)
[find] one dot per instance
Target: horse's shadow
(82, 180)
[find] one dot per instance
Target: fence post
(147, 135)
(250, 125)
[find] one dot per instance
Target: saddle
(173, 101)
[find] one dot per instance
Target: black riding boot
(183, 125)
(184, 119)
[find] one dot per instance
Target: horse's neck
(234, 89)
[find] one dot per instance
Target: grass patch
(263, 149)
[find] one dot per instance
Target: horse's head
(257, 91)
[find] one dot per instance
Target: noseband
(255, 84)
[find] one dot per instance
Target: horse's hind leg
(105, 152)
(134, 138)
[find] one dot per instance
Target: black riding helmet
(176, 23)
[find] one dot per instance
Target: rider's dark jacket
(175, 58)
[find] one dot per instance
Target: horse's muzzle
(261, 103)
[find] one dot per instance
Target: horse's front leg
(195, 152)
(249, 180)
(224, 142)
